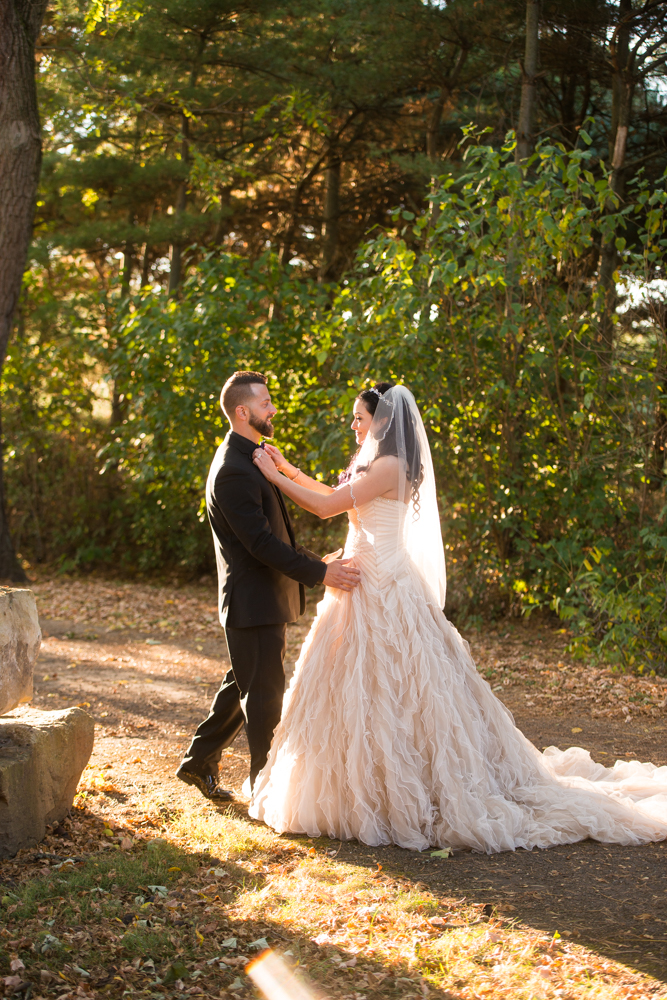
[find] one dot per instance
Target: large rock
(20, 638)
(42, 756)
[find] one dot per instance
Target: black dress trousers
(262, 573)
(251, 694)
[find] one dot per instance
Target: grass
(182, 914)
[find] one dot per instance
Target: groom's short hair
(237, 390)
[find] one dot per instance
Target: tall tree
(20, 157)
(637, 50)
(524, 132)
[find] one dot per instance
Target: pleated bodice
(375, 541)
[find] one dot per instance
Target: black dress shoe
(207, 785)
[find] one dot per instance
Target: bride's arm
(295, 474)
(380, 480)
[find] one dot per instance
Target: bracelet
(295, 477)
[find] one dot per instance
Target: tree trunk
(145, 265)
(288, 238)
(222, 227)
(621, 109)
(432, 130)
(331, 217)
(524, 132)
(445, 95)
(20, 156)
(146, 254)
(128, 262)
(181, 200)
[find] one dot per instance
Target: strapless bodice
(376, 541)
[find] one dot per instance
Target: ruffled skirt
(389, 735)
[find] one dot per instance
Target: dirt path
(148, 681)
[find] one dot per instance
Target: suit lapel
(246, 448)
(283, 507)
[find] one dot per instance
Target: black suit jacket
(261, 569)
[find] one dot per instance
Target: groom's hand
(340, 574)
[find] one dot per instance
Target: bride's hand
(332, 556)
(275, 455)
(265, 465)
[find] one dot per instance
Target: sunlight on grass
(231, 837)
(358, 929)
(185, 911)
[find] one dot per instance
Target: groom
(261, 577)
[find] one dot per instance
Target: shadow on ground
(610, 898)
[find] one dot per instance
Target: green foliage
(547, 440)
(53, 389)
(619, 617)
(543, 437)
(170, 361)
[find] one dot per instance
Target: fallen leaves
(126, 605)
(13, 983)
(400, 929)
(527, 661)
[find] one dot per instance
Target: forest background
(465, 196)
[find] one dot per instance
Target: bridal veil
(398, 429)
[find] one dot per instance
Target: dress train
(389, 734)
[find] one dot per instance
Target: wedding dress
(390, 735)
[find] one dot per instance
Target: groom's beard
(265, 427)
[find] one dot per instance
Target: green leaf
(177, 970)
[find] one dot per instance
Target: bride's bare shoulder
(388, 462)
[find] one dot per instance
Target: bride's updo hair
(370, 398)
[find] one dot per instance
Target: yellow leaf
(200, 937)
(577, 729)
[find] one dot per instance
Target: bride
(389, 734)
